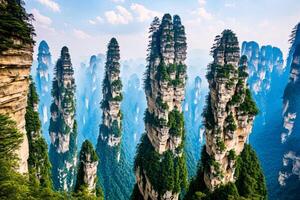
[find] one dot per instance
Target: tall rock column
(87, 170)
(230, 110)
(110, 134)
(43, 83)
(16, 48)
(63, 127)
(160, 166)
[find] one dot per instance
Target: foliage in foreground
(250, 182)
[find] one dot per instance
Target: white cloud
(119, 16)
(95, 21)
(41, 19)
(81, 34)
(99, 19)
(203, 13)
(142, 12)
(50, 4)
(92, 22)
(202, 2)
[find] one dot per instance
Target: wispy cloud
(142, 12)
(80, 34)
(41, 19)
(119, 16)
(203, 13)
(97, 20)
(50, 4)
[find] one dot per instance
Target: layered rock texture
(110, 129)
(43, 83)
(230, 110)
(266, 76)
(87, 169)
(16, 48)
(160, 167)
(38, 161)
(63, 127)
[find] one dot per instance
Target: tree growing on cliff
(38, 161)
(15, 24)
(228, 116)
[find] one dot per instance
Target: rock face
(266, 70)
(63, 127)
(113, 169)
(291, 120)
(110, 129)
(14, 81)
(230, 110)
(87, 170)
(164, 87)
(43, 83)
(290, 105)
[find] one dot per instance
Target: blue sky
(86, 26)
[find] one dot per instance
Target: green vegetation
(176, 123)
(153, 120)
(12, 184)
(209, 120)
(230, 123)
(248, 106)
(250, 179)
(161, 104)
(250, 183)
(166, 172)
(164, 73)
(38, 161)
(87, 155)
(15, 23)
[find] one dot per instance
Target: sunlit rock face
(63, 127)
(230, 110)
(110, 128)
(43, 83)
(165, 80)
(266, 72)
(14, 82)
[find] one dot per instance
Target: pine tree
(38, 161)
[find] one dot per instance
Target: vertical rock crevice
(63, 127)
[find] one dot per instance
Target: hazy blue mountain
(43, 77)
